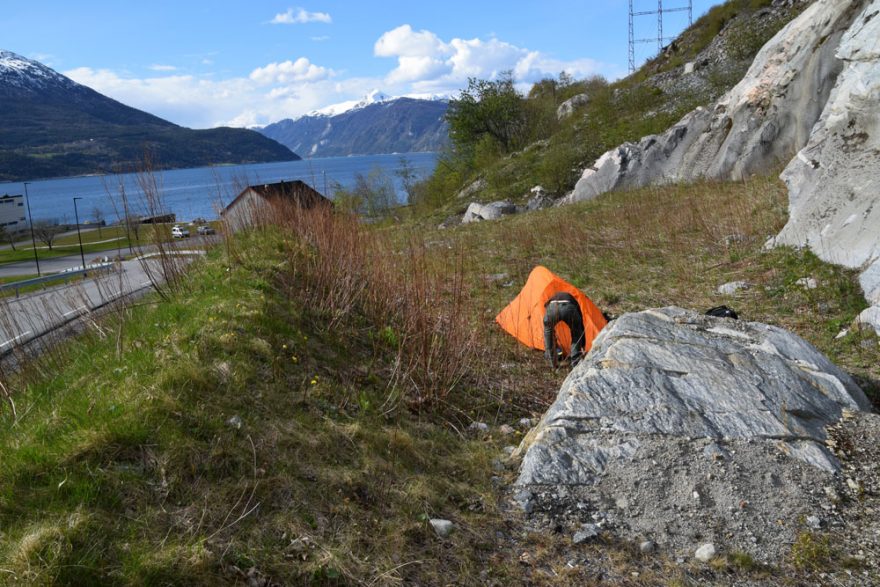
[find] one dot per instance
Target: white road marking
(66, 314)
(14, 339)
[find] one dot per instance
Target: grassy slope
(123, 466)
(723, 42)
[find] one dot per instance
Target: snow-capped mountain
(375, 124)
(374, 97)
(52, 126)
(26, 74)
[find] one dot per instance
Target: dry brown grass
(412, 302)
(653, 247)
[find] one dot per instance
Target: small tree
(98, 215)
(7, 236)
(46, 232)
(408, 178)
(372, 195)
(132, 225)
(377, 191)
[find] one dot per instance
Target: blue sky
(203, 64)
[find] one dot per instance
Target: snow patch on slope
(26, 73)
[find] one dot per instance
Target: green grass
(125, 470)
(13, 278)
(675, 245)
(123, 466)
(69, 245)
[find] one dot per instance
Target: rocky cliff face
(812, 94)
(762, 121)
(834, 181)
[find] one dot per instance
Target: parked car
(205, 229)
(179, 232)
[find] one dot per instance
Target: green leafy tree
(493, 109)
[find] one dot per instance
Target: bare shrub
(47, 231)
(416, 302)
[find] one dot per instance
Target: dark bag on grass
(722, 312)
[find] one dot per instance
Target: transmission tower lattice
(659, 39)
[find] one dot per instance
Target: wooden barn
(259, 204)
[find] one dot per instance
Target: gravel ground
(790, 522)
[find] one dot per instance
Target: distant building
(166, 218)
(260, 204)
(12, 214)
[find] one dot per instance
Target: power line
(659, 39)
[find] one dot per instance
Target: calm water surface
(197, 193)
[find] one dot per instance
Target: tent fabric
(523, 318)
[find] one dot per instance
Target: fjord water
(200, 192)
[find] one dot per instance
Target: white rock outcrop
(814, 91)
(673, 372)
(477, 212)
(870, 318)
(758, 124)
(834, 181)
(568, 107)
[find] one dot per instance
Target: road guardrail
(67, 273)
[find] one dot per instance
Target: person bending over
(563, 307)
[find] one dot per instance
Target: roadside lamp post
(79, 234)
(27, 199)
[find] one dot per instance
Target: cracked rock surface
(682, 429)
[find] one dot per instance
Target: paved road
(54, 265)
(58, 264)
(30, 316)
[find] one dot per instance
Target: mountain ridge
(392, 125)
(51, 126)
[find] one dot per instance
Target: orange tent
(523, 317)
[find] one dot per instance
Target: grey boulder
(675, 373)
(569, 107)
(443, 528)
(477, 212)
(472, 188)
(731, 287)
(870, 319)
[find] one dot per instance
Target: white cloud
(431, 65)
(300, 16)
(405, 41)
(425, 65)
(320, 38)
(159, 67)
(203, 102)
(290, 71)
(410, 69)
(44, 58)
